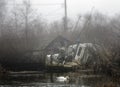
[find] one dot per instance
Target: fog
(41, 41)
(74, 7)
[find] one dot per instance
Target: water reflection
(47, 80)
(44, 85)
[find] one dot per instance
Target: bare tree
(2, 14)
(27, 15)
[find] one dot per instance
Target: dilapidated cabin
(54, 48)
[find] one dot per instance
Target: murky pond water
(49, 80)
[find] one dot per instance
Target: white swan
(62, 79)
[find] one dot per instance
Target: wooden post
(65, 19)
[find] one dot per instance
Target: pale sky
(75, 7)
